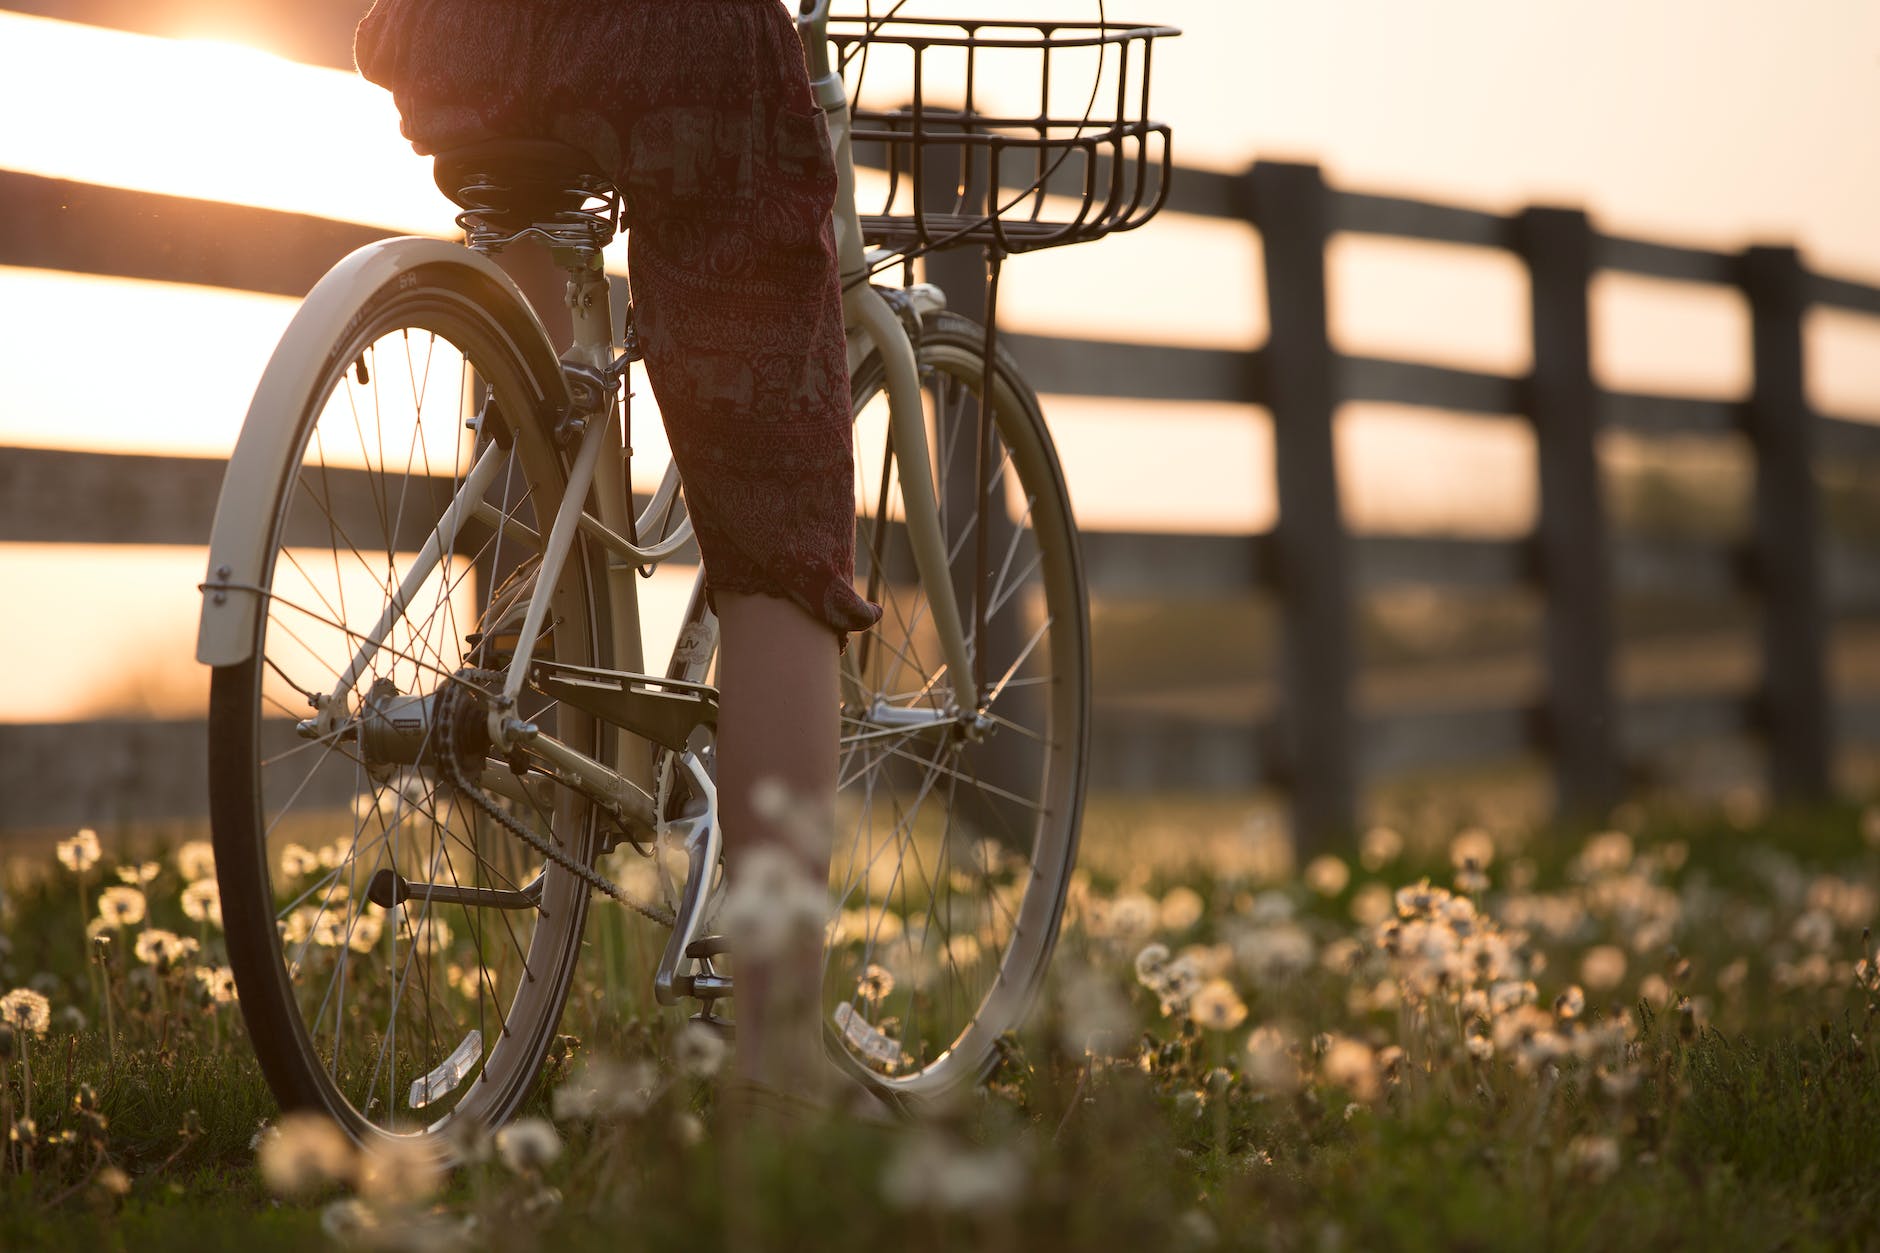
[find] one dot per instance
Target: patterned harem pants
(701, 112)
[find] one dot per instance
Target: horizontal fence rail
(1316, 741)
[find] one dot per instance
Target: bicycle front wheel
(957, 828)
(421, 478)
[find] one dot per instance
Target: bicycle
(430, 716)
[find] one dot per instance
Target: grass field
(1652, 1037)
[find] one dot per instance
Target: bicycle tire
(1015, 797)
(475, 992)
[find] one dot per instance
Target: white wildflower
(81, 852)
(27, 1011)
(139, 874)
(303, 1153)
(1217, 1006)
(773, 903)
(121, 907)
(603, 1090)
(1327, 875)
(1181, 909)
(163, 949)
(202, 902)
(195, 860)
(398, 1171)
(931, 1172)
(1350, 1064)
(700, 1051)
(1096, 1019)
(1594, 1158)
(528, 1145)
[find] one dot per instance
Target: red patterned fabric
(701, 111)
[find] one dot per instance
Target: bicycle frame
(596, 504)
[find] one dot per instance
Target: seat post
(589, 304)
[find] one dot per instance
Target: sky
(1710, 122)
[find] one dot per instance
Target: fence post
(1291, 208)
(1781, 427)
(1570, 538)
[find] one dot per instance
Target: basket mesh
(1007, 134)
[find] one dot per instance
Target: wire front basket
(1010, 135)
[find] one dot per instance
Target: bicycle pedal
(708, 946)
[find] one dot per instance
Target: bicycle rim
(953, 848)
(407, 1019)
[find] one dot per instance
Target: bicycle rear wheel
(955, 838)
(400, 1016)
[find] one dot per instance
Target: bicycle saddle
(514, 183)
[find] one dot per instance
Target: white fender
(270, 435)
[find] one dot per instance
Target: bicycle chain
(453, 766)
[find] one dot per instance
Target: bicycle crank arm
(702, 848)
(389, 888)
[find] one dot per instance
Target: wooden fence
(1317, 747)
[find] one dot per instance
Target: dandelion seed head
(1472, 848)
(602, 1090)
(137, 874)
(122, 906)
(1593, 1158)
(1132, 917)
(1216, 1006)
(298, 861)
(1181, 908)
(1603, 967)
(195, 860)
(303, 1153)
(1176, 985)
(80, 853)
(1420, 900)
(930, 1171)
(700, 1051)
(1212, 961)
(1814, 930)
(773, 902)
(688, 1128)
(528, 1145)
(1276, 954)
(396, 1171)
(1351, 1065)
(1607, 852)
(1095, 1018)
(1379, 848)
(112, 1181)
(162, 949)
(1570, 1004)
(27, 1012)
(1150, 960)
(1371, 905)
(1327, 875)
(366, 928)
(1270, 1065)
(218, 983)
(202, 902)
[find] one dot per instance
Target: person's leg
(777, 724)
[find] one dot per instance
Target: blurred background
(174, 172)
